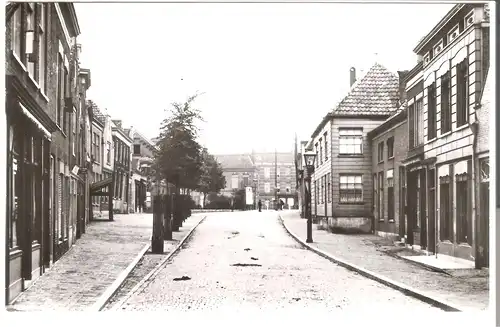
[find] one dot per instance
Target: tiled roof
(374, 94)
(269, 157)
(238, 161)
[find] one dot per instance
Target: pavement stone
(281, 275)
(466, 289)
(77, 280)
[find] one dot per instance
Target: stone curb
(111, 290)
(407, 290)
(150, 276)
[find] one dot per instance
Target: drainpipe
(474, 128)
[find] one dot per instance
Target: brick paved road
(469, 290)
(77, 280)
(289, 276)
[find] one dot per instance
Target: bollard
(157, 239)
(167, 218)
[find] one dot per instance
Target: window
(380, 152)
(15, 187)
(267, 172)
(317, 155)
(42, 28)
(351, 189)
(234, 181)
(137, 149)
(18, 33)
(245, 181)
(381, 196)
(30, 26)
(315, 192)
(375, 196)
(390, 195)
(73, 127)
(453, 34)
(108, 153)
(350, 141)
(322, 194)
(415, 124)
(390, 147)
(329, 191)
(431, 111)
(445, 213)
(445, 103)
(462, 93)
(463, 207)
(59, 110)
(267, 187)
(320, 152)
(326, 146)
(64, 94)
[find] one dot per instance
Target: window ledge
(381, 162)
(350, 156)
(44, 96)
(34, 82)
(464, 126)
(446, 134)
(391, 158)
(392, 220)
(19, 62)
(351, 203)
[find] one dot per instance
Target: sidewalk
(467, 289)
(77, 280)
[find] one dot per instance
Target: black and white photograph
(200, 157)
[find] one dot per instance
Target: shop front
(28, 197)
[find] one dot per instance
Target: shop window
(445, 213)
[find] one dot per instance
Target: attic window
(427, 58)
(438, 47)
(453, 34)
(469, 19)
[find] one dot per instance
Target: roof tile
(374, 94)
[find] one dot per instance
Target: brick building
(43, 104)
(389, 146)
(276, 178)
(239, 171)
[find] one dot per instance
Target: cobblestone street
(246, 259)
(467, 288)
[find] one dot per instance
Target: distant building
(122, 145)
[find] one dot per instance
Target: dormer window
(469, 19)
(453, 34)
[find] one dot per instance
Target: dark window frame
(351, 194)
(462, 92)
(445, 109)
(431, 112)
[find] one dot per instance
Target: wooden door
(411, 206)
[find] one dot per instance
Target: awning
(101, 184)
(28, 114)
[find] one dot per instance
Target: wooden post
(158, 235)
(167, 219)
(175, 212)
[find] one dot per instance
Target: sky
(265, 72)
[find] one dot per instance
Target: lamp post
(309, 158)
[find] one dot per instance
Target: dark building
(42, 107)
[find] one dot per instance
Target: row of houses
(65, 158)
(406, 155)
(270, 174)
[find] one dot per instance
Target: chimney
(352, 76)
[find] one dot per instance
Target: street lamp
(309, 158)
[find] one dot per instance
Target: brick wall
(399, 132)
